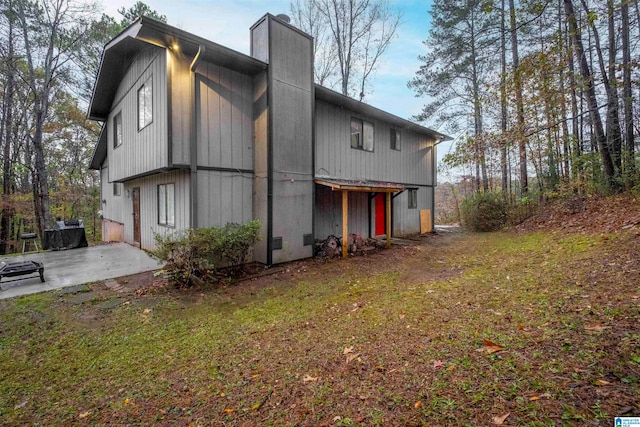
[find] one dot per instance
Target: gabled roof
(335, 98)
(120, 52)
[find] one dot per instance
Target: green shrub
(194, 255)
(484, 212)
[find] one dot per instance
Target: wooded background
(49, 56)
(541, 95)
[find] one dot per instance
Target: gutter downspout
(193, 148)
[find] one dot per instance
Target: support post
(388, 220)
(345, 222)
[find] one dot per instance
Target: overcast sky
(227, 22)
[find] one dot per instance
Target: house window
(145, 105)
(413, 198)
(117, 130)
(166, 205)
(361, 134)
(394, 138)
(117, 189)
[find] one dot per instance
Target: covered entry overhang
(363, 186)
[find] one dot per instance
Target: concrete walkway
(76, 267)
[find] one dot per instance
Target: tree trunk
(590, 93)
(614, 135)
(40, 89)
(522, 145)
(503, 102)
(566, 151)
(627, 95)
(6, 132)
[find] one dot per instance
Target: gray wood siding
(260, 41)
(224, 197)
(335, 157)
(225, 118)
(182, 93)
(291, 109)
(149, 206)
(142, 150)
(261, 186)
(407, 221)
(112, 206)
(328, 213)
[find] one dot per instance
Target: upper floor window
(394, 138)
(117, 130)
(413, 198)
(166, 205)
(145, 105)
(361, 134)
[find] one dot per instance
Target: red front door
(380, 212)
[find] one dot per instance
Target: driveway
(76, 267)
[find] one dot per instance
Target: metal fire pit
(12, 269)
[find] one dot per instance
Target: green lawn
(394, 338)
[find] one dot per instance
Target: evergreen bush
(195, 255)
(484, 212)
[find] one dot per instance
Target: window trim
(164, 219)
(117, 119)
(395, 143)
(360, 142)
(412, 198)
(117, 189)
(148, 84)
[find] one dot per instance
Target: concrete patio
(77, 266)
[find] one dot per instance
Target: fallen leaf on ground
(418, 404)
(84, 414)
(490, 347)
(351, 357)
(602, 382)
(229, 411)
(146, 311)
(348, 350)
(451, 368)
(21, 405)
(595, 327)
(308, 378)
(438, 364)
(500, 420)
(542, 396)
(578, 370)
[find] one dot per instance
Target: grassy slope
(349, 343)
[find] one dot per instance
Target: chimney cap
(284, 17)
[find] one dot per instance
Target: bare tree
(310, 20)
(627, 95)
(359, 32)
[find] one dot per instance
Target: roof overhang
(100, 151)
(145, 32)
(361, 185)
(335, 98)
